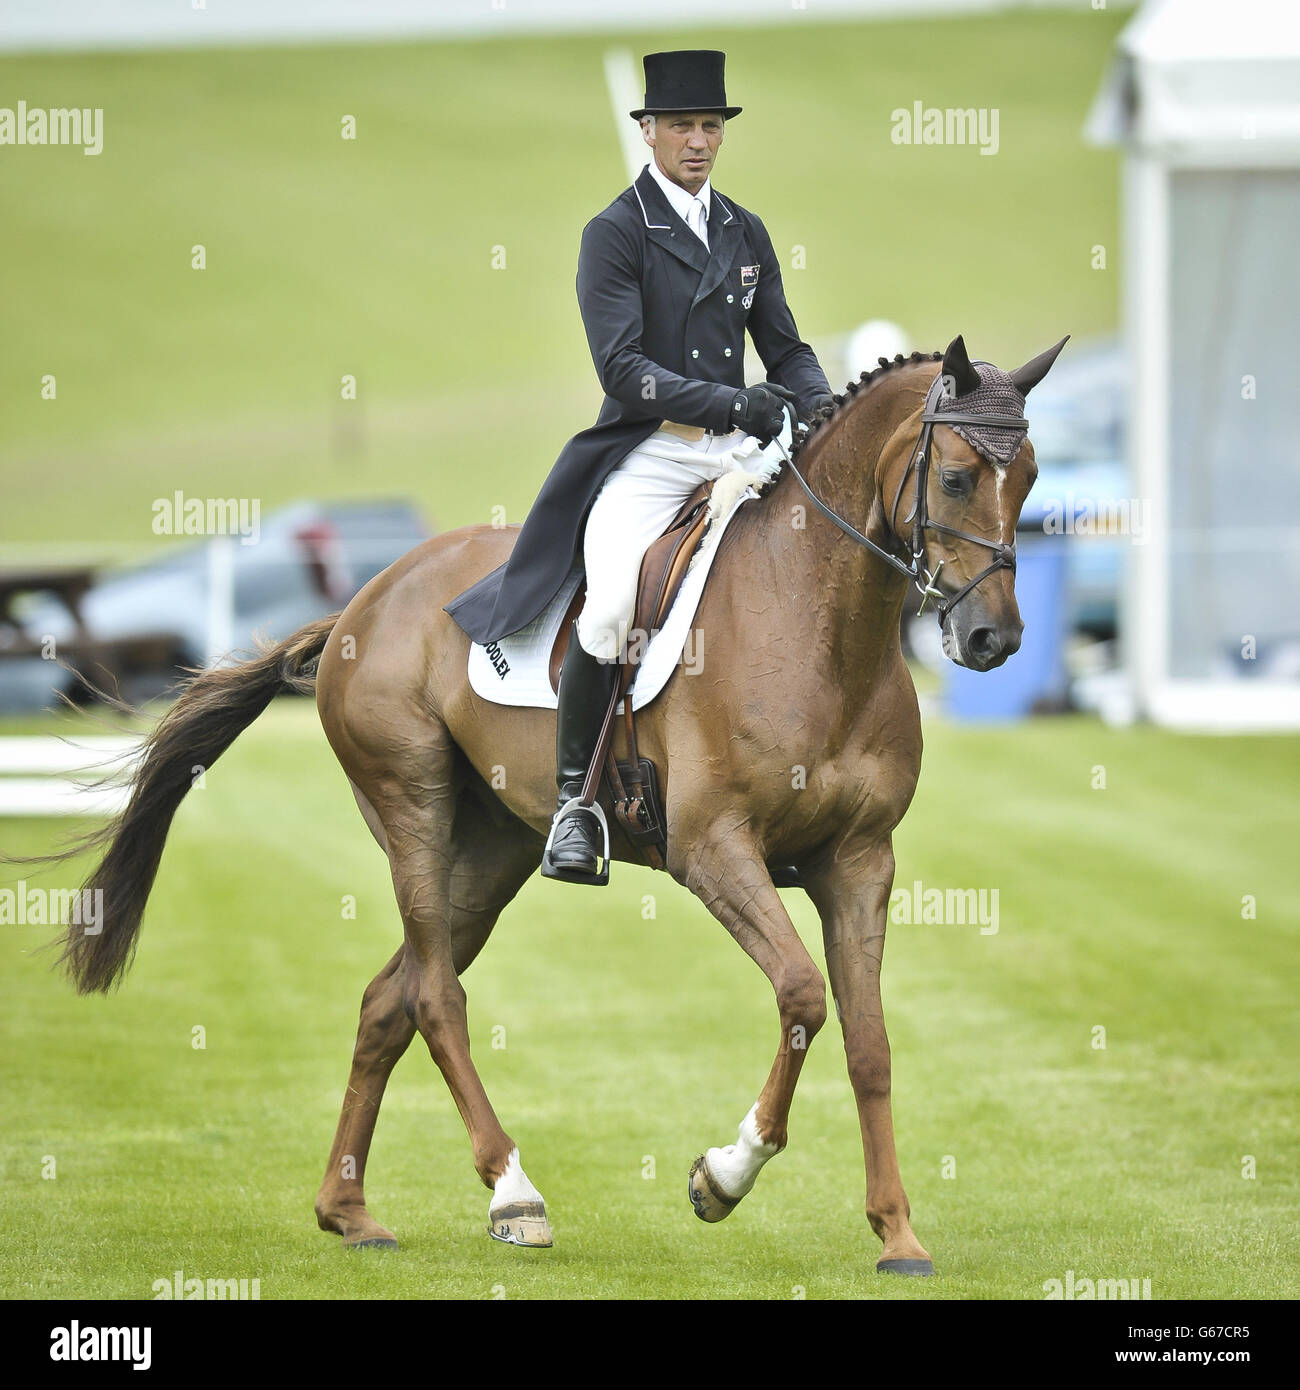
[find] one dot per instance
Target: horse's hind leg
(422, 869)
(491, 856)
(383, 1035)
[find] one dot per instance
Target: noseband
(1004, 556)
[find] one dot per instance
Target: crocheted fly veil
(995, 395)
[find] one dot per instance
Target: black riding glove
(759, 411)
(784, 392)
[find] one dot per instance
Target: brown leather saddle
(633, 782)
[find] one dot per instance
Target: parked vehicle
(308, 560)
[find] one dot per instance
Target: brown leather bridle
(918, 572)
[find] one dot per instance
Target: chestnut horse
(801, 746)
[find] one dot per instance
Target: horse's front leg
(850, 889)
(727, 873)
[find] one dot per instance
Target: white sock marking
(513, 1185)
(736, 1167)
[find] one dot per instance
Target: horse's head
(961, 492)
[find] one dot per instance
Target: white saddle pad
(515, 670)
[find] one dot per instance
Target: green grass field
(628, 1040)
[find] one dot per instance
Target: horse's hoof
(522, 1223)
(919, 1269)
(711, 1203)
(372, 1243)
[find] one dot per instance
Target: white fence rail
(91, 24)
(47, 776)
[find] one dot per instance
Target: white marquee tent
(1204, 96)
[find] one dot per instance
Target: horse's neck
(844, 599)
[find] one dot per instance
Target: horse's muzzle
(983, 644)
(987, 647)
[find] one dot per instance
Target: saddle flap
(665, 563)
(663, 567)
(561, 644)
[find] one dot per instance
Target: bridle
(1004, 555)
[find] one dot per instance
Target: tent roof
(1205, 77)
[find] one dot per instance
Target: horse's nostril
(984, 643)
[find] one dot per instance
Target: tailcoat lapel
(724, 242)
(665, 227)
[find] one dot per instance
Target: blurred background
(333, 279)
(312, 301)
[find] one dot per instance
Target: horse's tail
(214, 708)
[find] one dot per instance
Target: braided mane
(827, 413)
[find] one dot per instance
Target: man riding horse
(670, 275)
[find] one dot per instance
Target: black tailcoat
(666, 319)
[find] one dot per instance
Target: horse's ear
(957, 369)
(1027, 377)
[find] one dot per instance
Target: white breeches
(638, 500)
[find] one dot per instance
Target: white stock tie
(695, 220)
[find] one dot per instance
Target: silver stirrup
(602, 873)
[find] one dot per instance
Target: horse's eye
(957, 484)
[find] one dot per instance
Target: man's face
(685, 146)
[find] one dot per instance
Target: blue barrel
(1036, 674)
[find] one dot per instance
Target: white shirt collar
(678, 198)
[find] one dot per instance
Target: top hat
(687, 80)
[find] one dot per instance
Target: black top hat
(688, 80)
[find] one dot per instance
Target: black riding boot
(586, 684)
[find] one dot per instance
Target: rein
(919, 574)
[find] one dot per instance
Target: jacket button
(695, 352)
(731, 299)
(726, 352)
